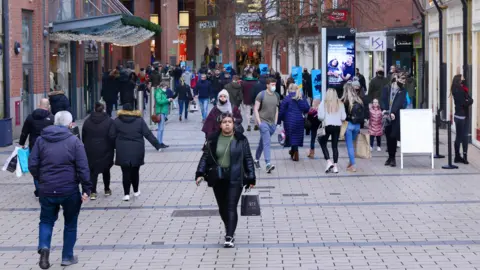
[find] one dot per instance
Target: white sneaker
(126, 198)
(335, 168)
(371, 148)
(379, 149)
(136, 194)
(329, 166)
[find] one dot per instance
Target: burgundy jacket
(212, 125)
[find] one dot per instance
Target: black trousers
(461, 137)
(228, 195)
(379, 140)
(130, 177)
(106, 179)
(391, 142)
(333, 131)
(109, 109)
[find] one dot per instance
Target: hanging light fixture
(183, 19)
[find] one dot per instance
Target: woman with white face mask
(162, 103)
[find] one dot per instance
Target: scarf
(227, 107)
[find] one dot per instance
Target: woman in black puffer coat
(231, 151)
(99, 147)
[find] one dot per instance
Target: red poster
(17, 113)
(338, 15)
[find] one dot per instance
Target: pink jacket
(375, 125)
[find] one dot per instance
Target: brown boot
(295, 156)
(311, 154)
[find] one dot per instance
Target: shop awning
(118, 29)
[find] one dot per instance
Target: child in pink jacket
(375, 128)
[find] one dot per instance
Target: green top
(223, 151)
(161, 101)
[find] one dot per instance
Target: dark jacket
(33, 126)
(248, 85)
(362, 81)
(399, 102)
(375, 87)
(217, 86)
(183, 92)
(59, 102)
(98, 145)
(59, 162)
(203, 89)
(127, 89)
(129, 131)
(259, 87)
(109, 89)
(307, 84)
(235, 92)
(291, 113)
(242, 171)
(212, 125)
(155, 78)
(462, 100)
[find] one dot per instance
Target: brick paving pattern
(377, 218)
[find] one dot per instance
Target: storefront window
(60, 10)
(88, 9)
(60, 66)
(27, 53)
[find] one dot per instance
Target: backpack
(357, 113)
(262, 96)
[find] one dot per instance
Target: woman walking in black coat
(184, 94)
(99, 147)
(463, 101)
(230, 151)
(59, 101)
(127, 85)
(129, 131)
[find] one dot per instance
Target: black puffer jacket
(98, 145)
(129, 131)
(33, 126)
(242, 170)
(59, 102)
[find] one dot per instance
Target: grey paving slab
(378, 218)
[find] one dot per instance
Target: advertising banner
(317, 83)
(297, 76)
(263, 69)
(340, 57)
(248, 24)
(228, 68)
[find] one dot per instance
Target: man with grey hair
(59, 162)
(33, 126)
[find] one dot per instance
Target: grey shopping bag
(250, 204)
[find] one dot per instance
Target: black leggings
(228, 195)
(379, 140)
(391, 143)
(334, 131)
(130, 176)
(461, 137)
(106, 179)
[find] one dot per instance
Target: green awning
(118, 29)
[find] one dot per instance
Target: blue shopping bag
(22, 155)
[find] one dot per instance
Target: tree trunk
(296, 45)
(319, 24)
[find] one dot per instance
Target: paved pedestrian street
(377, 218)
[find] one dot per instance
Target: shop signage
(378, 43)
(417, 41)
(338, 15)
(207, 24)
(403, 43)
(91, 51)
(248, 24)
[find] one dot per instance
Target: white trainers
(229, 242)
(379, 149)
(136, 194)
(126, 198)
(335, 168)
(329, 166)
(371, 148)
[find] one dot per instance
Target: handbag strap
(226, 149)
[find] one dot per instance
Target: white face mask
(273, 88)
(164, 89)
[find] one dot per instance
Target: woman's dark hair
(331, 62)
(225, 115)
(99, 107)
(456, 82)
(127, 107)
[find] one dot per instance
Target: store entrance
(90, 87)
(27, 90)
(249, 52)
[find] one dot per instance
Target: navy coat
(291, 113)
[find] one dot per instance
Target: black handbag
(12, 165)
(250, 205)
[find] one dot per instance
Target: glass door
(27, 90)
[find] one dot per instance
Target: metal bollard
(140, 101)
(152, 103)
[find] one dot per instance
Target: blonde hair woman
(354, 109)
(291, 113)
(332, 112)
(313, 118)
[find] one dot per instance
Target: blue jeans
(350, 137)
(266, 132)
(181, 105)
(50, 206)
(204, 107)
(161, 128)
